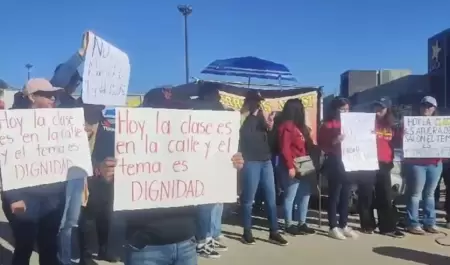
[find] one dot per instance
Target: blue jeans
(421, 184)
(216, 220)
(74, 193)
(203, 222)
(254, 173)
(183, 253)
(296, 191)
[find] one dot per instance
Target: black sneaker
(247, 238)
(276, 238)
(216, 245)
(368, 231)
(206, 251)
(292, 230)
(303, 229)
(395, 234)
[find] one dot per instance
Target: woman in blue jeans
(258, 169)
(294, 141)
(422, 178)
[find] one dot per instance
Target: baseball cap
(39, 84)
(429, 100)
(383, 102)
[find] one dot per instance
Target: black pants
(93, 226)
(339, 189)
(381, 200)
(42, 230)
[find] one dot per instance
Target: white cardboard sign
(42, 146)
(106, 73)
(171, 158)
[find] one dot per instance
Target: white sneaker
(336, 233)
(348, 232)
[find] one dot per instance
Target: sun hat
(39, 84)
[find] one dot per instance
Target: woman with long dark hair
(386, 135)
(422, 179)
(258, 170)
(339, 185)
(35, 213)
(294, 141)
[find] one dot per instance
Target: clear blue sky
(316, 39)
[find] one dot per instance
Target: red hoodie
(292, 143)
(328, 132)
(385, 139)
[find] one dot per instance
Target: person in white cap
(424, 175)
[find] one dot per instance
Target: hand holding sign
(18, 207)
(106, 168)
(84, 44)
(238, 161)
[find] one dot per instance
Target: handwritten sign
(359, 147)
(170, 158)
(426, 137)
(106, 73)
(42, 146)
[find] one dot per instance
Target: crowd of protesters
(47, 215)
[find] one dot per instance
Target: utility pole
(28, 66)
(186, 10)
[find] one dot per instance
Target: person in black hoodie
(160, 236)
(34, 213)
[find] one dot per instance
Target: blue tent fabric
(250, 67)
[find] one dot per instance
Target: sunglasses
(427, 105)
(45, 94)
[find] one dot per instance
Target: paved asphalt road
(315, 249)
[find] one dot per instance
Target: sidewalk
(315, 249)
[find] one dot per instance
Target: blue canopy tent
(250, 67)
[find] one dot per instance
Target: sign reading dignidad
(171, 158)
(42, 146)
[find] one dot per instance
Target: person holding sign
(67, 76)
(34, 213)
(386, 139)
(422, 179)
(295, 143)
(255, 148)
(339, 185)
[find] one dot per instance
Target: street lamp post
(28, 66)
(186, 10)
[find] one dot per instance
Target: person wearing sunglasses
(34, 213)
(421, 180)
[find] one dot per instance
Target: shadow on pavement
(412, 255)
(6, 235)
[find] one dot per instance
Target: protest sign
(42, 146)
(170, 158)
(359, 147)
(106, 73)
(426, 137)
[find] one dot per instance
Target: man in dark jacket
(161, 236)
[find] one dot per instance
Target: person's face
(427, 109)
(42, 100)
(380, 111)
(345, 108)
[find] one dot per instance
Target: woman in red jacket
(387, 215)
(294, 141)
(339, 185)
